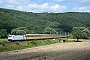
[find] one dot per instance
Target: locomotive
(34, 37)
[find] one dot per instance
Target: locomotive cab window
(9, 36)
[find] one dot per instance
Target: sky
(51, 6)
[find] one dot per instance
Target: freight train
(34, 37)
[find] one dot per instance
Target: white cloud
(15, 2)
(59, 0)
(19, 8)
(85, 0)
(25, 5)
(46, 7)
(83, 5)
(74, 1)
(0, 1)
(68, 1)
(10, 6)
(82, 9)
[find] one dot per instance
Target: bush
(88, 59)
(28, 43)
(3, 45)
(17, 44)
(70, 40)
(34, 43)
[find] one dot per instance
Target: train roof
(41, 34)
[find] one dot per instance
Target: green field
(30, 44)
(68, 40)
(3, 40)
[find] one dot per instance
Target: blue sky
(54, 6)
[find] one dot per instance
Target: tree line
(77, 32)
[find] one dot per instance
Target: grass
(88, 59)
(4, 40)
(30, 44)
(73, 40)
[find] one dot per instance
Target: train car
(40, 36)
(16, 37)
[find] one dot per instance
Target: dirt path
(60, 51)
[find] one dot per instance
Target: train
(28, 37)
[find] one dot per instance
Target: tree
(49, 30)
(85, 33)
(19, 31)
(3, 33)
(80, 32)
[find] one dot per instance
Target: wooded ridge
(37, 22)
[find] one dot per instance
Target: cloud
(46, 7)
(81, 5)
(10, 6)
(68, 1)
(77, 2)
(19, 8)
(25, 5)
(38, 8)
(59, 0)
(51, 6)
(82, 9)
(0, 1)
(85, 1)
(15, 2)
(73, 1)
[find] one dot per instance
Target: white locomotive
(16, 37)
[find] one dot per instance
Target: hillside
(37, 22)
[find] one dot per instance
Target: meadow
(29, 44)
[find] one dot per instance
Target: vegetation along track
(60, 51)
(21, 42)
(14, 42)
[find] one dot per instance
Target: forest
(38, 22)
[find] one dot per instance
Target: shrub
(28, 43)
(88, 59)
(34, 43)
(3, 45)
(17, 43)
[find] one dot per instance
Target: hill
(37, 22)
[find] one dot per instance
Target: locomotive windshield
(9, 36)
